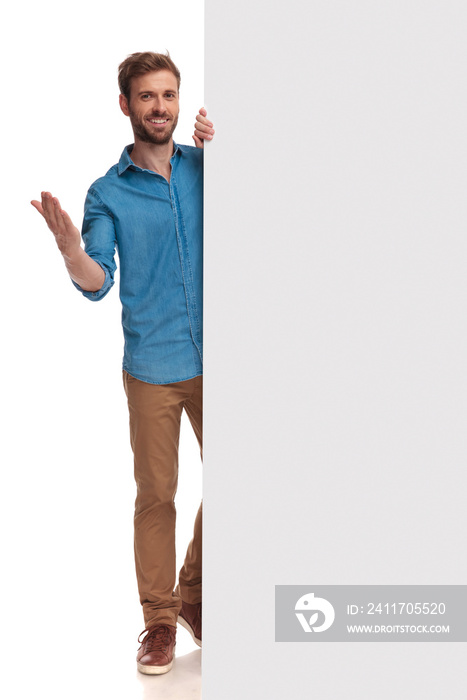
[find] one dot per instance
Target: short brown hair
(141, 63)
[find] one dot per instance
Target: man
(149, 207)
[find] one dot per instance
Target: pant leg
(155, 414)
(190, 576)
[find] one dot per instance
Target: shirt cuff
(100, 294)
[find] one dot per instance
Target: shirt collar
(125, 161)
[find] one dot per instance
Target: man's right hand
(85, 271)
(67, 236)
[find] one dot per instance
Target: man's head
(140, 63)
(149, 84)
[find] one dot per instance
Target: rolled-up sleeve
(99, 238)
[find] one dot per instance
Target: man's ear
(124, 105)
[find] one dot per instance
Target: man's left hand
(203, 129)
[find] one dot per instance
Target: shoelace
(157, 638)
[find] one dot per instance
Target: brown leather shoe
(189, 617)
(156, 652)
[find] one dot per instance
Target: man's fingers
(69, 225)
(37, 205)
(48, 208)
(51, 213)
(62, 223)
(203, 134)
(203, 120)
(55, 218)
(203, 129)
(202, 117)
(201, 126)
(66, 235)
(46, 200)
(203, 111)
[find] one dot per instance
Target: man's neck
(153, 156)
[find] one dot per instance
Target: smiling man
(149, 207)
(153, 111)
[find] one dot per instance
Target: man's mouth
(158, 121)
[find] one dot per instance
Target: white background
(296, 489)
(70, 610)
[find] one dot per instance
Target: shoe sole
(154, 670)
(181, 621)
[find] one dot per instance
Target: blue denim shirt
(157, 229)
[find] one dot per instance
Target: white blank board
(335, 336)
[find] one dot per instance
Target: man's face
(153, 107)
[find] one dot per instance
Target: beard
(144, 132)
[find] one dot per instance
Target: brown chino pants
(155, 414)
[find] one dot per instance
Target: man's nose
(159, 104)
